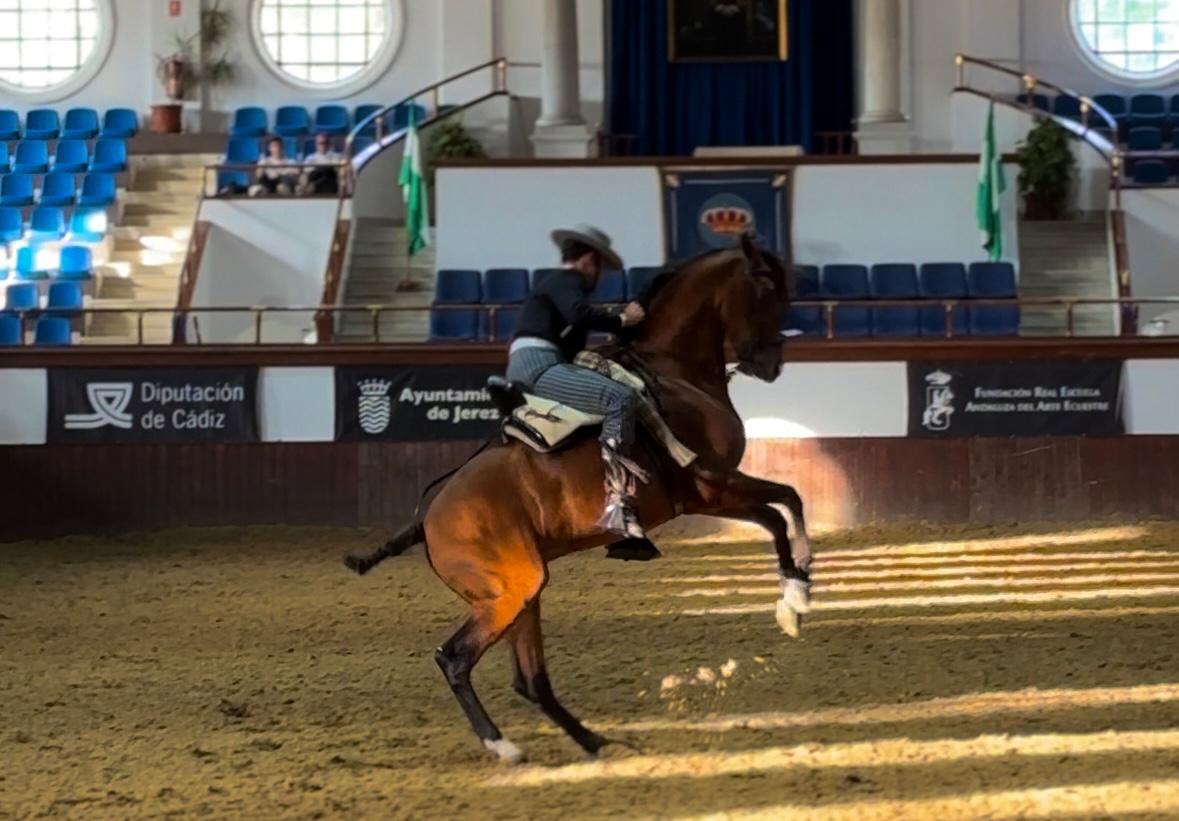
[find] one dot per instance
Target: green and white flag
(991, 185)
(413, 189)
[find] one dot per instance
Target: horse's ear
(748, 248)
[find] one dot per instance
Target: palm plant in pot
(198, 60)
(1047, 170)
(450, 140)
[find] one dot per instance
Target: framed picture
(727, 30)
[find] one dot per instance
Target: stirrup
(620, 518)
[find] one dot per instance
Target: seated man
(554, 324)
(273, 177)
(323, 180)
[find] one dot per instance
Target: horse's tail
(409, 536)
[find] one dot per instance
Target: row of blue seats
(48, 330)
(99, 189)
(48, 223)
(1137, 110)
(80, 124)
(933, 281)
(336, 120)
(70, 263)
(72, 156)
(24, 298)
(1151, 172)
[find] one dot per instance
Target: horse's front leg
(763, 492)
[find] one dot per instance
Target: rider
(554, 324)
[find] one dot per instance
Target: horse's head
(751, 305)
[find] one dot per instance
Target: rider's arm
(576, 309)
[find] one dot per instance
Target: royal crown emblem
(727, 220)
(374, 408)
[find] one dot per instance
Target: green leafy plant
(451, 140)
(1047, 170)
(201, 58)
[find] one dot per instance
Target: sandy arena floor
(1027, 673)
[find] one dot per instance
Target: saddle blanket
(545, 425)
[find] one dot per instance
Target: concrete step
(174, 163)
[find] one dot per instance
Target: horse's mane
(667, 276)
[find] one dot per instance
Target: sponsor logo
(939, 401)
(375, 407)
(108, 405)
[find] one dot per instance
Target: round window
(51, 48)
(1135, 40)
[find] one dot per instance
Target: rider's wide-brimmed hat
(595, 238)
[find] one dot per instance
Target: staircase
(1066, 259)
(378, 264)
(150, 245)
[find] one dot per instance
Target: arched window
(1129, 39)
(52, 46)
(328, 44)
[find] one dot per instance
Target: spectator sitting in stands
(322, 180)
(275, 180)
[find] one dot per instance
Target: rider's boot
(622, 474)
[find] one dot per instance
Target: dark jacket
(560, 311)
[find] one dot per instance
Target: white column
(561, 131)
(881, 125)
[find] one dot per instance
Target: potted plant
(201, 59)
(1047, 169)
(449, 140)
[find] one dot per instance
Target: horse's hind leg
(532, 679)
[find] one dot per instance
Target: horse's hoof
(788, 619)
(356, 564)
(797, 595)
(506, 751)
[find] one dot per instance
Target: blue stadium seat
(1150, 172)
(332, 119)
(807, 319)
(1145, 138)
(110, 156)
(249, 121)
(77, 264)
(1039, 101)
(239, 151)
(9, 125)
(290, 148)
(362, 113)
(993, 280)
(11, 332)
(35, 262)
(458, 287)
(59, 189)
(16, 189)
(362, 141)
(505, 286)
(454, 326)
(5, 159)
(48, 224)
(506, 320)
(88, 225)
(895, 282)
(32, 157)
(611, 288)
(1114, 105)
(944, 280)
(22, 297)
(402, 113)
(1148, 110)
(12, 226)
(53, 330)
(1069, 107)
(97, 189)
(292, 121)
(120, 123)
(42, 124)
(72, 156)
(80, 124)
(65, 299)
(848, 282)
(637, 279)
(540, 274)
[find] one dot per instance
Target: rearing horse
(494, 527)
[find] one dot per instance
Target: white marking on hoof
(507, 752)
(787, 619)
(797, 595)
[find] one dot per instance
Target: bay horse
(496, 524)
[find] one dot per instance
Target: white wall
(24, 407)
(491, 217)
(1152, 235)
(271, 253)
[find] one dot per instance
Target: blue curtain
(672, 108)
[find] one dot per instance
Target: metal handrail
(829, 307)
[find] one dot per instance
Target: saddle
(547, 426)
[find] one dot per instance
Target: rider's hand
(633, 314)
